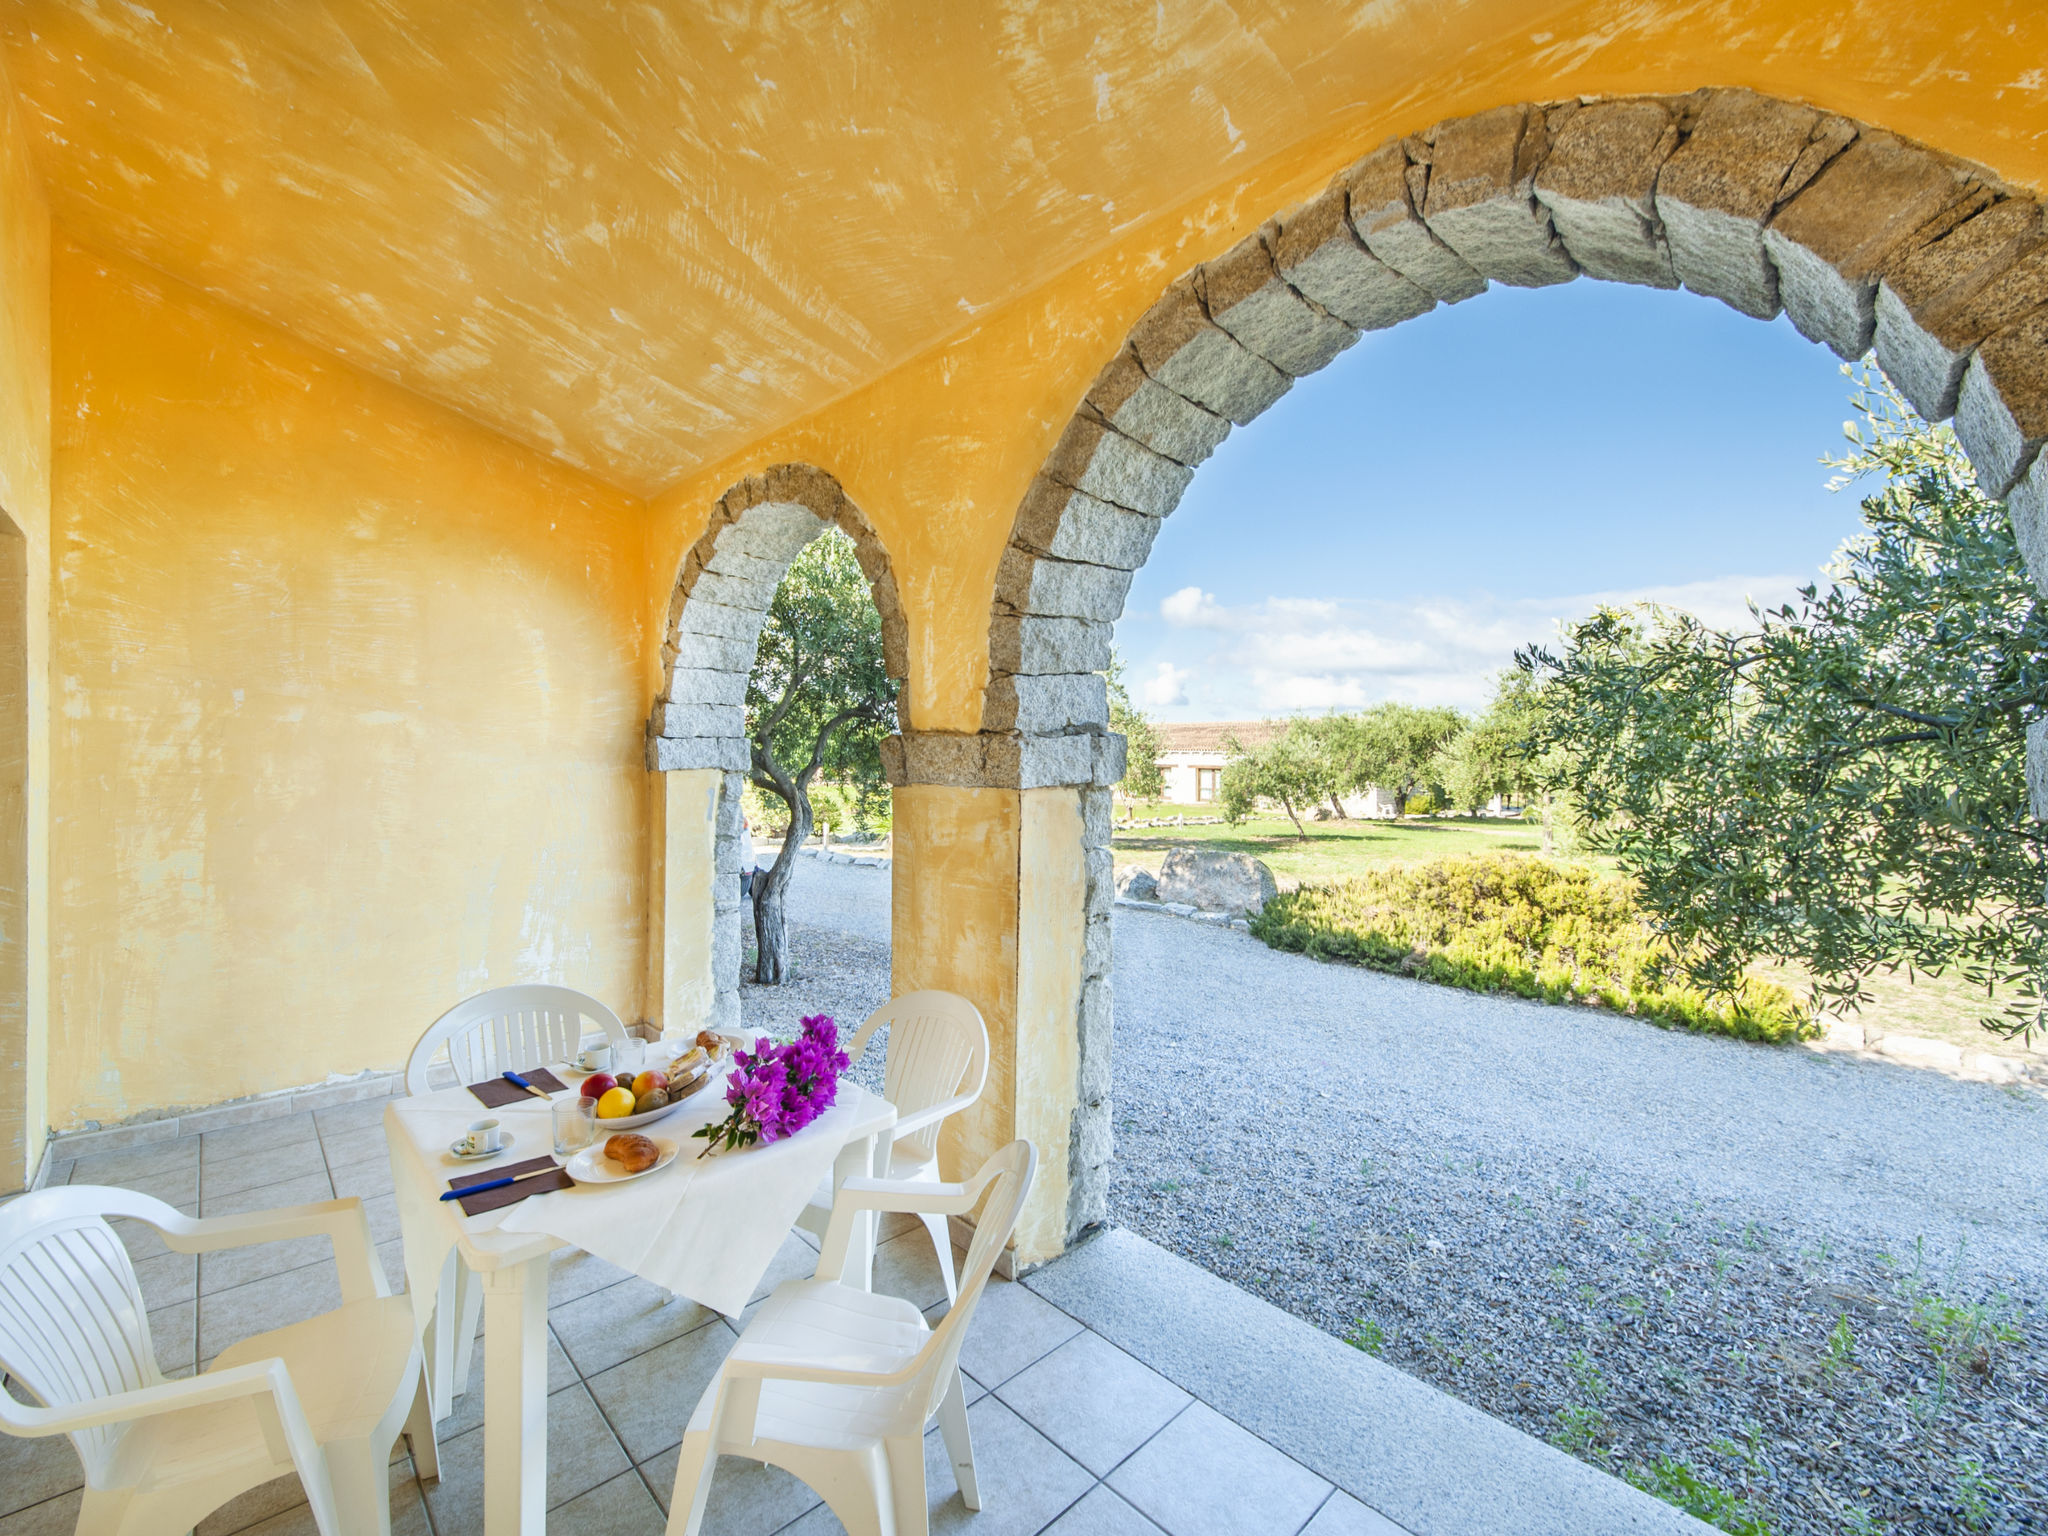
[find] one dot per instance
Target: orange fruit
(614, 1102)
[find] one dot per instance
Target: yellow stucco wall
(25, 503)
(349, 715)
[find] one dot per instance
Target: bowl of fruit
(624, 1103)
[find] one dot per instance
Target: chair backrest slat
(938, 1047)
(73, 1326)
(508, 1029)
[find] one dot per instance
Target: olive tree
(1843, 783)
(1143, 778)
(819, 699)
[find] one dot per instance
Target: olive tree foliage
(820, 699)
(1293, 769)
(1492, 755)
(1393, 746)
(1844, 783)
(1143, 778)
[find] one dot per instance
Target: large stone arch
(1862, 238)
(696, 736)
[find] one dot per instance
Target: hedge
(1513, 923)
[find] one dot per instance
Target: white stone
(1233, 883)
(708, 618)
(715, 653)
(1137, 884)
(699, 685)
(670, 754)
(1999, 451)
(2027, 504)
(681, 720)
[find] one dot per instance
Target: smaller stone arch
(698, 725)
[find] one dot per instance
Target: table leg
(516, 1399)
(857, 1160)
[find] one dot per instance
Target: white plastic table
(513, 1266)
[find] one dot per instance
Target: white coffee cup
(596, 1058)
(483, 1137)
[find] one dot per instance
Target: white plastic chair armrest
(258, 1378)
(340, 1221)
(857, 1196)
(739, 1367)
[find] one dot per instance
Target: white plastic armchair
(508, 1029)
(937, 1066)
(835, 1385)
(326, 1398)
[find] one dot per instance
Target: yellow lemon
(615, 1102)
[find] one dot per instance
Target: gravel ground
(1819, 1282)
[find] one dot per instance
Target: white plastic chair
(835, 1385)
(937, 1066)
(508, 1029)
(504, 1029)
(326, 1398)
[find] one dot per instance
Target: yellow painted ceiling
(638, 236)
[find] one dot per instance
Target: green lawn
(1331, 849)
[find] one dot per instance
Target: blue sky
(1453, 487)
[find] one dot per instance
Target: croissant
(632, 1152)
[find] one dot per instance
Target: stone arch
(698, 726)
(1860, 237)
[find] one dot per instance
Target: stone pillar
(1002, 893)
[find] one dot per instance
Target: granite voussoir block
(1939, 299)
(2002, 408)
(2037, 769)
(1137, 405)
(1182, 348)
(1599, 182)
(1830, 243)
(1093, 456)
(1098, 820)
(672, 754)
(1379, 196)
(2027, 505)
(1321, 255)
(1246, 295)
(697, 685)
(681, 720)
(1051, 762)
(1035, 643)
(1111, 758)
(1053, 519)
(1028, 583)
(703, 617)
(1718, 189)
(1482, 200)
(717, 653)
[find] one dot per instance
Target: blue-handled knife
(477, 1189)
(539, 1093)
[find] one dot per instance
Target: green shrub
(1507, 922)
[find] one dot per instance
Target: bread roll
(632, 1151)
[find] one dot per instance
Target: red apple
(594, 1086)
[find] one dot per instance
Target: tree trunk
(1400, 803)
(1548, 848)
(1336, 805)
(1288, 806)
(771, 925)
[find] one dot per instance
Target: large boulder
(1135, 883)
(1216, 882)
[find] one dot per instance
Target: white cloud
(1291, 654)
(1165, 688)
(1191, 608)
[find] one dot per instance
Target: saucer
(455, 1148)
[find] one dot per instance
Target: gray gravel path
(1820, 1281)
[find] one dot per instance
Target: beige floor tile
(232, 1172)
(365, 1180)
(252, 1508)
(36, 1471)
(244, 1142)
(177, 1185)
(621, 1321)
(621, 1507)
(149, 1162)
(1011, 1328)
(350, 1117)
(648, 1398)
(381, 1211)
(1026, 1480)
(1342, 1515)
(573, 1273)
(307, 1189)
(168, 1279)
(908, 1266)
(582, 1453)
(292, 1297)
(140, 1239)
(368, 1144)
(52, 1517)
(1102, 1513)
(1205, 1476)
(225, 1268)
(748, 1498)
(794, 1260)
(468, 1409)
(1093, 1401)
(172, 1330)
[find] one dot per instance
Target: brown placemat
(495, 1092)
(510, 1194)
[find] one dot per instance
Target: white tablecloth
(704, 1228)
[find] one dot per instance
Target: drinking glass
(575, 1124)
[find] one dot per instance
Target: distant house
(1191, 759)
